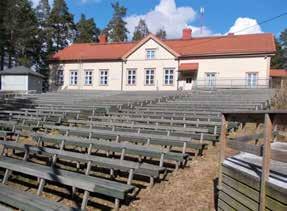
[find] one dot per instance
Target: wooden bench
(26, 201)
(201, 133)
(161, 140)
(123, 148)
(84, 182)
(152, 171)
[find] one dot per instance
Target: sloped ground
(191, 188)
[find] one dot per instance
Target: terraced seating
(161, 140)
(144, 169)
(201, 134)
(184, 123)
(123, 148)
(176, 116)
(87, 183)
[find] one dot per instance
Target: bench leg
(151, 181)
(41, 187)
(131, 174)
(117, 204)
(6, 176)
(85, 200)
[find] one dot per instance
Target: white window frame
(252, 82)
(74, 77)
(131, 76)
(150, 53)
(211, 81)
(88, 77)
(60, 77)
(104, 78)
(168, 76)
(149, 79)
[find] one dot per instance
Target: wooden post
(265, 160)
(222, 148)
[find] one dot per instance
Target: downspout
(177, 81)
(122, 76)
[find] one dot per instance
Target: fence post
(265, 160)
(222, 148)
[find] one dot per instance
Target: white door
(252, 79)
(211, 80)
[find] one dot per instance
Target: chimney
(102, 39)
(186, 33)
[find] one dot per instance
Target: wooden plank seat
(27, 201)
(87, 183)
(5, 133)
(166, 116)
(202, 134)
(170, 111)
(184, 123)
(144, 169)
(123, 148)
(161, 140)
(15, 125)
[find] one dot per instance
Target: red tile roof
(188, 66)
(195, 47)
(278, 73)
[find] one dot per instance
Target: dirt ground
(191, 188)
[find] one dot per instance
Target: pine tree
(86, 30)
(116, 29)
(161, 34)
(61, 26)
(277, 61)
(43, 12)
(283, 42)
(141, 30)
(21, 29)
(3, 8)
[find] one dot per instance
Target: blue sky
(221, 16)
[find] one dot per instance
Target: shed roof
(21, 70)
(278, 73)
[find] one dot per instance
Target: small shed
(21, 79)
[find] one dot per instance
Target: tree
(61, 26)
(3, 8)
(86, 30)
(21, 29)
(116, 29)
(277, 60)
(43, 11)
(141, 30)
(161, 34)
(283, 42)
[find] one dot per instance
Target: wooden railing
(270, 121)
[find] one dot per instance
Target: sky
(220, 16)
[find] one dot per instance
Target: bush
(280, 99)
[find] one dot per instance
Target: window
(88, 77)
(132, 76)
(168, 76)
(211, 79)
(252, 79)
(60, 77)
(149, 77)
(73, 77)
(150, 53)
(103, 77)
(188, 80)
